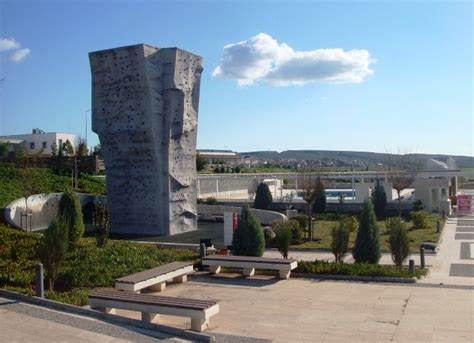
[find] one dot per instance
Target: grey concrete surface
(145, 108)
(20, 322)
(303, 310)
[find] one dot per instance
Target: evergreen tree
(53, 248)
(70, 213)
(263, 197)
(340, 239)
(367, 244)
(283, 237)
(101, 219)
(379, 198)
(319, 204)
(248, 239)
(399, 242)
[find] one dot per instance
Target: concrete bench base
(248, 267)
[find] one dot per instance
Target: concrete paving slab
(464, 229)
(464, 236)
(466, 270)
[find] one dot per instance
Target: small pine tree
(248, 239)
(68, 148)
(399, 242)
(340, 239)
(70, 213)
(319, 204)
(379, 199)
(263, 197)
(101, 219)
(284, 237)
(367, 244)
(53, 248)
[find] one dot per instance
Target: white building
(40, 142)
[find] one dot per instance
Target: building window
(45, 145)
(32, 145)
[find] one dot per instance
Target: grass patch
(322, 235)
(49, 182)
(356, 269)
(85, 268)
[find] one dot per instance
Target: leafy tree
(81, 150)
(97, 150)
(68, 149)
(283, 237)
(54, 149)
(53, 248)
(70, 214)
(30, 184)
(21, 152)
(319, 204)
(398, 241)
(201, 162)
(309, 189)
(379, 199)
(3, 150)
(100, 220)
(340, 239)
(263, 197)
(367, 244)
(248, 239)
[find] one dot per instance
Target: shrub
(399, 242)
(391, 222)
(101, 221)
(379, 199)
(263, 197)
(70, 215)
(53, 248)
(358, 269)
(296, 231)
(340, 239)
(248, 239)
(302, 221)
(418, 206)
(269, 235)
(283, 238)
(367, 244)
(420, 220)
(210, 201)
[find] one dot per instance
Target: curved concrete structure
(42, 208)
(265, 217)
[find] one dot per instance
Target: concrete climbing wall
(145, 109)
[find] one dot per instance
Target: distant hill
(357, 158)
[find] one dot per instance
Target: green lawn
(322, 233)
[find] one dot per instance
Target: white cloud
(8, 44)
(20, 55)
(262, 58)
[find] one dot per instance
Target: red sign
(464, 203)
(234, 221)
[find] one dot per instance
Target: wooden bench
(155, 279)
(249, 264)
(151, 306)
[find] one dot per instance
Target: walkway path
(454, 262)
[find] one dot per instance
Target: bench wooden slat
(154, 272)
(247, 259)
(145, 299)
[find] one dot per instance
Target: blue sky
(415, 93)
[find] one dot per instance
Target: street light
(87, 111)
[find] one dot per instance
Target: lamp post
(87, 111)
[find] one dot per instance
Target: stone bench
(249, 264)
(155, 279)
(152, 306)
